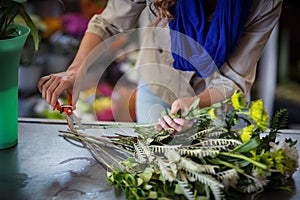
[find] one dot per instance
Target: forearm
(209, 97)
(88, 43)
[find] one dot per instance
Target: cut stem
(258, 164)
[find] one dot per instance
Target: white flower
(291, 152)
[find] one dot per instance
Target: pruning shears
(71, 118)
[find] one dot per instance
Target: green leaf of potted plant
(9, 10)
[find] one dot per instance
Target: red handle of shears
(67, 109)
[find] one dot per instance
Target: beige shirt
(155, 60)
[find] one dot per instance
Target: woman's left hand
(177, 124)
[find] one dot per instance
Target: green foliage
(278, 122)
(9, 10)
(209, 161)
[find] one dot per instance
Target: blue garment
(198, 47)
(148, 105)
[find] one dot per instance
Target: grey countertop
(45, 166)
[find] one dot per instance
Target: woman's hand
(52, 86)
(177, 124)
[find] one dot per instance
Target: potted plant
(12, 40)
(31, 62)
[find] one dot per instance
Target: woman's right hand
(53, 85)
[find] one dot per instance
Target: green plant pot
(10, 53)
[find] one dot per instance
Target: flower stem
(118, 125)
(258, 164)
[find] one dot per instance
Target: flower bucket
(10, 54)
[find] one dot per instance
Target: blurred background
(62, 26)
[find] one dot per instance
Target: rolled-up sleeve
(118, 16)
(238, 73)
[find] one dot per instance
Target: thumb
(176, 106)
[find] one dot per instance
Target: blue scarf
(196, 47)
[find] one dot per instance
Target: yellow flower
(101, 104)
(238, 100)
(259, 115)
(247, 133)
(212, 114)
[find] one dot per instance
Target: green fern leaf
(188, 193)
(214, 142)
(139, 153)
(279, 120)
(191, 166)
(172, 155)
(215, 186)
(200, 134)
(164, 148)
(228, 177)
(199, 153)
(165, 171)
(146, 151)
(161, 138)
(215, 134)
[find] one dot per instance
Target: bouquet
(229, 150)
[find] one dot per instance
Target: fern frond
(162, 149)
(215, 186)
(191, 166)
(172, 155)
(146, 150)
(188, 193)
(228, 177)
(215, 134)
(165, 170)
(217, 142)
(213, 147)
(139, 153)
(199, 153)
(279, 120)
(173, 167)
(200, 134)
(161, 137)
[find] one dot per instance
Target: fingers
(53, 86)
(158, 127)
(176, 105)
(174, 125)
(178, 124)
(180, 121)
(167, 123)
(42, 81)
(183, 104)
(54, 94)
(185, 124)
